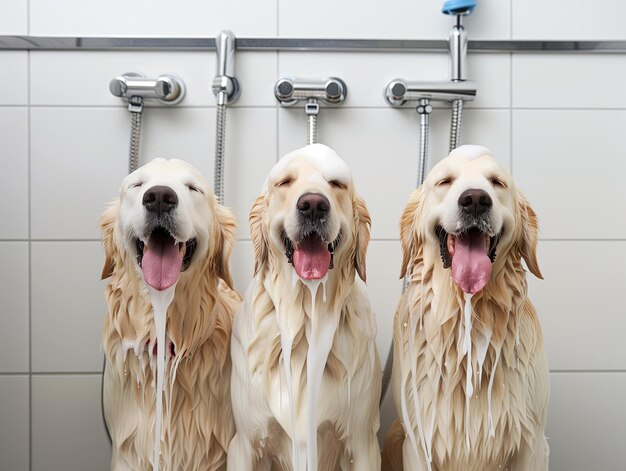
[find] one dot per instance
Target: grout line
(511, 114)
(67, 373)
(30, 268)
(618, 371)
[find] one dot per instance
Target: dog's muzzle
(311, 251)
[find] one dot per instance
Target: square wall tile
(13, 76)
(242, 266)
(587, 421)
(568, 81)
(376, 19)
(68, 427)
(367, 74)
(580, 305)
(68, 306)
(92, 71)
(14, 173)
(566, 20)
(14, 317)
(78, 160)
(14, 18)
(384, 289)
(14, 437)
(558, 153)
(188, 18)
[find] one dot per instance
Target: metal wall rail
(40, 43)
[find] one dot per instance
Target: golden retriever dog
(470, 376)
(306, 374)
(167, 228)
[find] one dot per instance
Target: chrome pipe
(399, 92)
(289, 91)
(457, 46)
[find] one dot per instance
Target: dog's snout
(475, 202)
(160, 199)
(313, 205)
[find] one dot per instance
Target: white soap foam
(470, 152)
(323, 158)
(467, 349)
(492, 429)
(320, 339)
(160, 302)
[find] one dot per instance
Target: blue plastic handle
(457, 7)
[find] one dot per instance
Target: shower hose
(455, 138)
(135, 106)
(220, 142)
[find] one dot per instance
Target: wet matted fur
(506, 334)
(347, 411)
(199, 323)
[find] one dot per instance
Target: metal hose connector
(135, 106)
(220, 144)
(456, 124)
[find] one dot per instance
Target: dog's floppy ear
(362, 224)
(529, 235)
(258, 233)
(225, 227)
(107, 225)
(409, 237)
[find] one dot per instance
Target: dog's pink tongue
(161, 262)
(471, 267)
(311, 259)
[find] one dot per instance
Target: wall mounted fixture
(227, 91)
(167, 89)
(290, 91)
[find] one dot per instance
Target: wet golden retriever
(470, 376)
(166, 227)
(306, 373)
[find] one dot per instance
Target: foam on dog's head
(323, 158)
(470, 152)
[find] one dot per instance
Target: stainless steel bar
(32, 43)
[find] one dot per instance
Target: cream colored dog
(306, 373)
(470, 376)
(166, 227)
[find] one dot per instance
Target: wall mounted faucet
(167, 89)
(290, 91)
(227, 91)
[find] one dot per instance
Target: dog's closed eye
(285, 182)
(135, 185)
(444, 181)
(496, 182)
(194, 188)
(337, 184)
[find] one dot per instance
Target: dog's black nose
(160, 199)
(313, 205)
(475, 202)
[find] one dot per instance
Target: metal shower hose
(135, 106)
(220, 144)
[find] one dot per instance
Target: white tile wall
(14, 173)
(566, 161)
(580, 303)
(587, 421)
(67, 426)
(14, 315)
(568, 81)
(568, 19)
(14, 441)
(67, 306)
(14, 18)
(13, 76)
(186, 18)
(556, 121)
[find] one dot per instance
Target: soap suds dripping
(160, 302)
(320, 337)
(467, 349)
